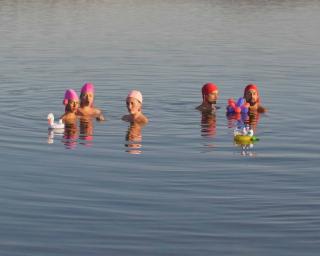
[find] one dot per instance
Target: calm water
(183, 188)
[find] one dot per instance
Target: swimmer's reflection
(86, 131)
(208, 124)
(134, 138)
(70, 135)
(235, 119)
(242, 120)
(208, 127)
(251, 120)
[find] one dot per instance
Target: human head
(87, 95)
(71, 100)
(210, 92)
(251, 94)
(134, 102)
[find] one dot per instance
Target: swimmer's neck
(85, 106)
(208, 105)
(136, 115)
(68, 112)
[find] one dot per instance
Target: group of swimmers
(84, 107)
(210, 93)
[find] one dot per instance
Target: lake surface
(181, 187)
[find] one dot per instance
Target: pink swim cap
(135, 94)
(87, 87)
(70, 95)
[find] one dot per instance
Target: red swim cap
(251, 87)
(208, 88)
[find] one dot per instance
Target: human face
(87, 98)
(251, 97)
(72, 106)
(133, 105)
(212, 97)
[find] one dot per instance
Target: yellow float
(245, 139)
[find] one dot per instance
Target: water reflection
(52, 133)
(252, 120)
(50, 137)
(208, 124)
(70, 136)
(134, 138)
(86, 131)
(72, 133)
(247, 150)
(238, 120)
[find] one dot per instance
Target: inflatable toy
(244, 136)
(54, 126)
(241, 106)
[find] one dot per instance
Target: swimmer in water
(71, 102)
(134, 106)
(87, 103)
(210, 93)
(251, 95)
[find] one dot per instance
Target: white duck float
(55, 126)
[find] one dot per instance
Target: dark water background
(190, 190)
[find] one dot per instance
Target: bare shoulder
(144, 119)
(63, 117)
(199, 108)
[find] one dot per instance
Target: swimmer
(210, 93)
(251, 95)
(86, 103)
(134, 106)
(71, 102)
